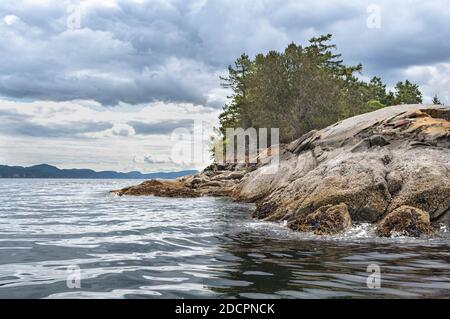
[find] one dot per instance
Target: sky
(103, 84)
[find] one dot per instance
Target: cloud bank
(144, 51)
(109, 80)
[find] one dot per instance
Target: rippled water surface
(147, 247)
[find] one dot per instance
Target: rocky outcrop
(215, 180)
(405, 221)
(163, 188)
(372, 163)
(327, 220)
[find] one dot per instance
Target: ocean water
(72, 239)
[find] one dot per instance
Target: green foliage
(235, 113)
(407, 93)
(301, 89)
(374, 105)
(378, 92)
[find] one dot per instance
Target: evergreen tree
(407, 93)
(390, 99)
(378, 91)
(236, 112)
(303, 88)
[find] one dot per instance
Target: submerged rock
(373, 163)
(327, 220)
(405, 221)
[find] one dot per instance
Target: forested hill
(48, 171)
(304, 88)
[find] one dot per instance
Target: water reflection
(323, 269)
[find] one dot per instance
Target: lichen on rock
(405, 221)
(327, 220)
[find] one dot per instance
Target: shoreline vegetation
(350, 151)
(304, 88)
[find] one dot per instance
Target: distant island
(48, 171)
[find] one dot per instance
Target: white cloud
(11, 19)
(81, 134)
(433, 79)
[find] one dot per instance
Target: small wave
(357, 233)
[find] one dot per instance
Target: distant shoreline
(45, 171)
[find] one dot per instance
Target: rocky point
(389, 167)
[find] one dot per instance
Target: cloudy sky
(102, 84)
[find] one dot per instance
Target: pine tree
(235, 112)
(378, 91)
(303, 88)
(407, 93)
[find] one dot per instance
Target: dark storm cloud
(164, 127)
(174, 50)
